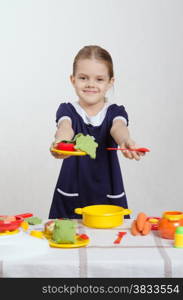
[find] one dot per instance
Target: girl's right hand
(57, 155)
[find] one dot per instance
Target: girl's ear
(72, 79)
(111, 82)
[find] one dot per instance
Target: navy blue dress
(84, 181)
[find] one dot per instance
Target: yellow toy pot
(102, 216)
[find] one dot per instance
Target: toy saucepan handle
(126, 211)
(78, 211)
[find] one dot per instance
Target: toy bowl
(102, 216)
(11, 225)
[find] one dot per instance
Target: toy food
(64, 232)
(83, 236)
(48, 227)
(134, 230)
(178, 237)
(168, 223)
(86, 143)
(24, 225)
(37, 234)
(80, 142)
(154, 222)
(147, 228)
(141, 226)
(141, 219)
(66, 146)
(33, 220)
(7, 219)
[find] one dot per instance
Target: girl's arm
(64, 132)
(121, 135)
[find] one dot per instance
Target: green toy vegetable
(64, 232)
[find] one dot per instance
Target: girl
(84, 181)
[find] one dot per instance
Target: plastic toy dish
(5, 233)
(74, 153)
(9, 225)
(80, 242)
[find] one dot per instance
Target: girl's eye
(82, 78)
(100, 79)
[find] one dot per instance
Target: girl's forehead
(92, 67)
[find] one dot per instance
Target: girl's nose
(90, 83)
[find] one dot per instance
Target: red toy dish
(12, 225)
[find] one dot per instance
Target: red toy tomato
(84, 236)
(65, 146)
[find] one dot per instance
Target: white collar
(93, 120)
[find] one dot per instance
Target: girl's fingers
(62, 156)
(142, 153)
(59, 156)
(131, 154)
(127, 154)
(136, 156)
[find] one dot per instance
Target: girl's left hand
(130, 144)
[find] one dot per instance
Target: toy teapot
(168, 223)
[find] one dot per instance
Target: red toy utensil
(135, 149)
(119, 238)
(24, 216)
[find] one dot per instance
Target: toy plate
(5, 233)
(79, 243)
(74, 153)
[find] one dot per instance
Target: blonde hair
(96, 52)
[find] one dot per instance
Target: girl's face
(91, 80)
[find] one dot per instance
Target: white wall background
(38, 41)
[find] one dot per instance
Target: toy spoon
(119, 238)
(135, 149)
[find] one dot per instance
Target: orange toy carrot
(146, 228)
(134, 230)
(141, 219)
(141, 226)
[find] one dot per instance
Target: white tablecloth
(139, 256)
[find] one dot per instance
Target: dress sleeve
(119, 113)
(63, 113)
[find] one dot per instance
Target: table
(136, 256)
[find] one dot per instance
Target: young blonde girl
(84, 181)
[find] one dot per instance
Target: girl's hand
(130, 144)
(57, 155)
